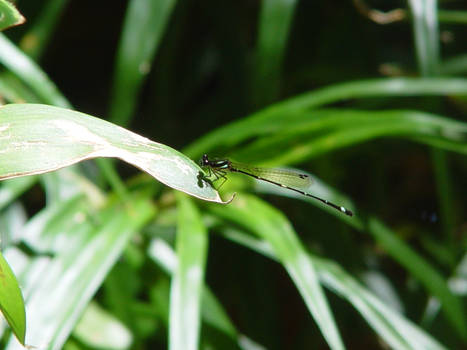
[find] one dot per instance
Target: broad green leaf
(11, 301)
(270, 224)
(143, 30)
(35, 139)
(9, 15)
(187, 282)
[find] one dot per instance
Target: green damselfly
(284, 178)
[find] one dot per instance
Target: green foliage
(11, 301)
(9, 15)
(108, 257)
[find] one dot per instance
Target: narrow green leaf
(426, 34)
(59, 287)
(457, 283)
(270, 224)
(39, 33)
(212, 311)
(36, 139)
(9, 15)
(187, 282)
(13, 90)
(13, 188)
(99, 329)
(274, 26)
(11, 301)
(424, 272)
(392, 327)
(143, 29)
(452, 16)
(258, 123)
(420, 269)
(30, 73)
(425, 28)
(323, 131)
(455, 65)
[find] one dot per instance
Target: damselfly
(284, 178)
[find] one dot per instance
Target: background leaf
(379, 124)
(11, 301)
(9, 15)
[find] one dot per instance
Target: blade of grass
(212, 311)
(143, 29)
(274, 26)
(15, 91)
(454, 66)
(30, 73)
(12, 220)
(187, 282)
(452, 16)
(12, 189)
(424, 272)
(458, 285)
(425, 27)
(56, 299)
(419, 267)
(99, 329)
(257, 123)
(36, 39)
(323, 131)
(270, 224)
(393, 328)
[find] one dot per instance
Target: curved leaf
(35, 139)
(11, 301)
(258, 123)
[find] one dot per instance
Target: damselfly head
(204, 161)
